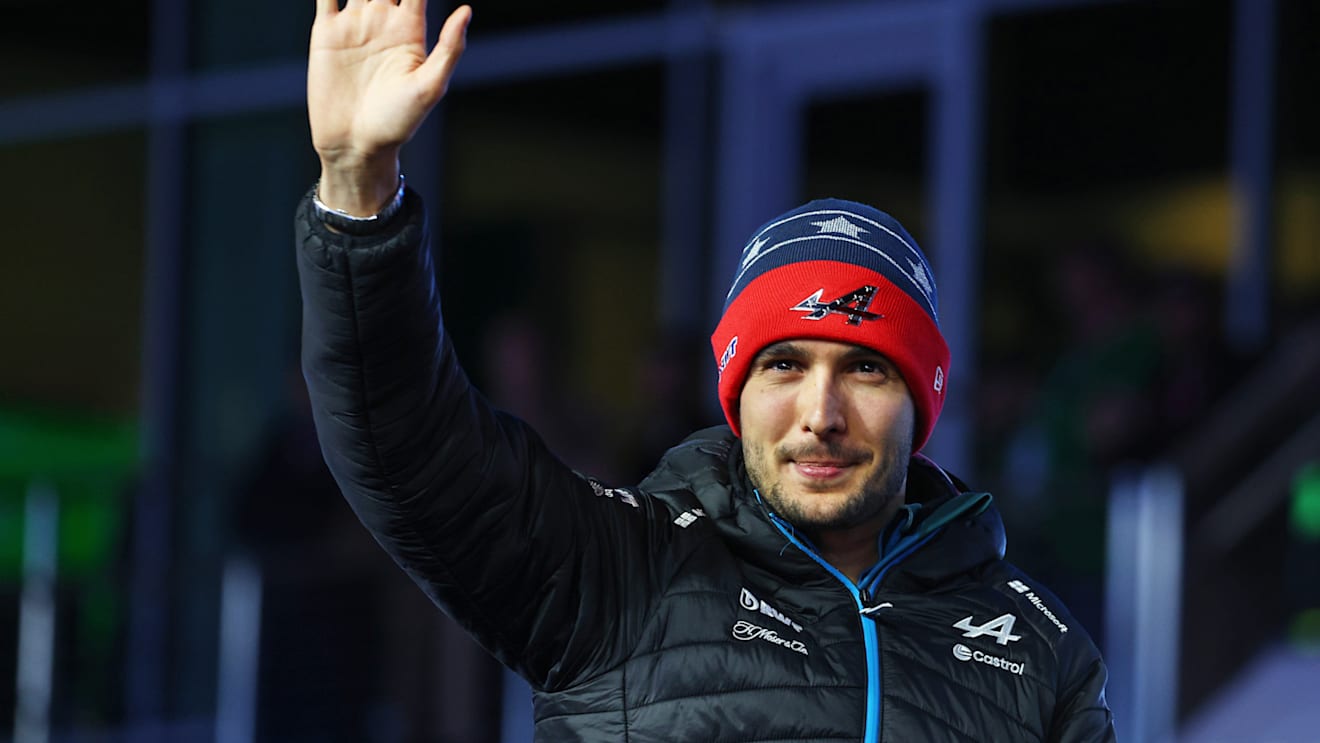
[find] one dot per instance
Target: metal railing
(1190, 546)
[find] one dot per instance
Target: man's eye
(872, 367)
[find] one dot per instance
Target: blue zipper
(869, 636)
(897, 552)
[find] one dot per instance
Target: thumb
(440, 63)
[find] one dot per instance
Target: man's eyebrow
(782, 348)
(791, 350)
(862, 352)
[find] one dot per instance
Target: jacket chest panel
(936, 649)
(713, 665)
(710, 634)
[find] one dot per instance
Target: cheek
(906, 424)
(891, 416)
(759, 413)
(905, 416)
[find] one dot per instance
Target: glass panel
(83, 42)
(1297, 265)
(240, 376)
(871, 150)
(73, 278)
(526, 14)
(247, 176)
(71, 344)
(1107, 237)
(551, 201)
(227, 35)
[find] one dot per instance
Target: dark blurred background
(1121, 201)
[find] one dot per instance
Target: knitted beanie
(840, 271)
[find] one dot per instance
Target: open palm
(370, 81)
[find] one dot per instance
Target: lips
(824, 465)
(821, 470)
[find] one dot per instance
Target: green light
(1305, 516)
(1305, 631)
(89, 461)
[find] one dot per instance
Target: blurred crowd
(1136, 359)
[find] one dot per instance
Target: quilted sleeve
(522, 551)
(1081, 714)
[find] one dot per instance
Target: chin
(818, 511)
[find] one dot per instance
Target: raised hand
(370, 84)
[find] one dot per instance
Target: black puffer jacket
(681, 609)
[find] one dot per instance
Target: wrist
(339, 220)
(358, 187)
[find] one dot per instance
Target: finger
(327, 7)
(453, 34)
(439, 65)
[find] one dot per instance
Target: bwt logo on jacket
(750, 602)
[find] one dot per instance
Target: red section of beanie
(776, 306)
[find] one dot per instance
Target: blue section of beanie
(843, 231)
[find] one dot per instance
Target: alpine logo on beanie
(852, 305)
(842, 271)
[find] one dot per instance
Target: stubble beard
(880, 490)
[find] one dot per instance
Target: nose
(821, 404)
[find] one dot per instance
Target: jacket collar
(944, 532)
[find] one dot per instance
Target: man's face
(827, 433)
